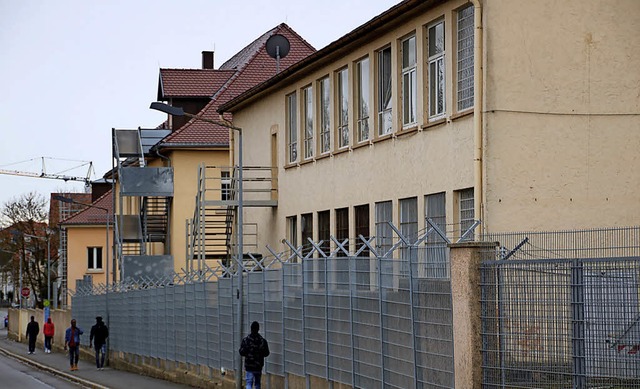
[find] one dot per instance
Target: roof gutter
(478, 119)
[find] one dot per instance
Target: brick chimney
(207, 59)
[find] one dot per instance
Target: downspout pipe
(478, 93)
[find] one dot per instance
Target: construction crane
(53, 176)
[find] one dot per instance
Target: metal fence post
(578, 325)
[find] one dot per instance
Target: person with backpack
(254, 348)
(72, 339)
(99, 333)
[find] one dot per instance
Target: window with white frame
(94, 258)
(433, 258)
(342, 78)
(292, 127)
(362, 90)
(467, 211)
(465, 58)
(308, 122)
(385, 103)
(409, 81)
(225, 185)
(436, 70)
(325, 116)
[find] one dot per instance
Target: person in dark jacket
(254, 349)
(33, 329)
(98, 336)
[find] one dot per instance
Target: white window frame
(342, 107)
(467, 211)
(324, 93)
(436, 69)
(292, 128)
(308, 122)
(92, 255)
(364, 106)
(465, 58)
(225, 185)
(384, 91)
(409, 81)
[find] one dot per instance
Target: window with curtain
(385, 103)
(409, 81)
(325, 116)
(362, 90)
(436, 70)
(308, 122)
(292, 127)
(343, 107)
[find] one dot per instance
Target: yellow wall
(562, 123)
(185, 169)
(78, 239)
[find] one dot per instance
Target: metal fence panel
(561, 323)
(273, 320)
(294, 358)
(226, 312)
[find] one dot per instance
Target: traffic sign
(25, 292)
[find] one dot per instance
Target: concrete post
(465, 289)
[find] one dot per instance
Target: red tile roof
(251, 66)
(182, 83)
(94, 215)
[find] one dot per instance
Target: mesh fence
(369, 322)
(560, 310)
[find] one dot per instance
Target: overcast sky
(73, 70)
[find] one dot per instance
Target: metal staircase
(212, 233)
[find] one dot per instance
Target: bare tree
(25, 235)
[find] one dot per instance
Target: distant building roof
(183, 83)
(249, 67)
(94, 214)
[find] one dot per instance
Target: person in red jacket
(48, 330)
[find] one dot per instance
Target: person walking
(254, 348)
(72, 339)
(48, 330)
(99, 333)
(33, 329)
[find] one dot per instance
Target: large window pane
(292, 127)
(324, 231)
(342, 229)
(343, 108)
(384, 233)
(325, 116)
(362, 69)
(384, 92)
(465, 58)
(436, 70)
(308, 122)
(409, 81)
(306, 223)
(467, 212)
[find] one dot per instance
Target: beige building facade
(522, 115)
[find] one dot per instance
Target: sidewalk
(87, 375)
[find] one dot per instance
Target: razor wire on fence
(377, 321)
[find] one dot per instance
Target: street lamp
(178, 111)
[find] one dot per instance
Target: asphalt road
(16, 375)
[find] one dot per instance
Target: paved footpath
(87, 375)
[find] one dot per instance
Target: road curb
(52, 370)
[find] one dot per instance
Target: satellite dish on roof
(278, 47)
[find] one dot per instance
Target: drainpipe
(478, 92)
